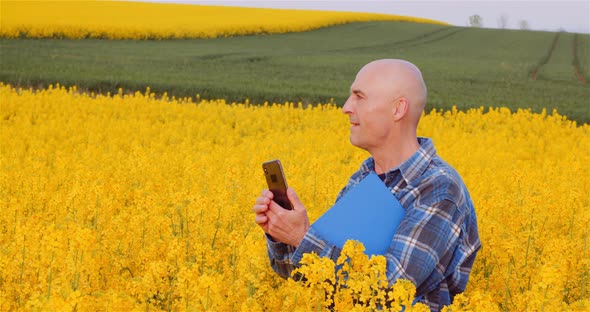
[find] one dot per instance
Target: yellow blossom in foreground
(136, 20)
(131, 202)
(355, 282)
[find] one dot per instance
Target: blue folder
(368, 213)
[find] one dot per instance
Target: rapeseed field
(137, 20)
(137, 202)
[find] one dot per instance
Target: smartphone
(277, 184)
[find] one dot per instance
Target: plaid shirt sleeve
(280, 257)
(285, 258)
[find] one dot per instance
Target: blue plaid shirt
(437, 240)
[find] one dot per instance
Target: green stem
(583, 288)
(217, 226)
(528, 245)
(544, 298)
(508, 294)
(22, 264)
(186, 296)
(188, 240)
(50, 277)
(143, 235)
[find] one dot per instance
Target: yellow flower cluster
(136, 202)
(359, 284)
(135, 20)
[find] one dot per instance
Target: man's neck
(393, 155)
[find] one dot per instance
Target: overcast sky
(572, 15)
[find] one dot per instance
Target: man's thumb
(294, 199)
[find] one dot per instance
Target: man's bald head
(386, 102)
(394, 79)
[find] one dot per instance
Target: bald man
(437, 240)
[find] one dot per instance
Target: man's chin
(355, 142)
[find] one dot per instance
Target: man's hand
(287, 226)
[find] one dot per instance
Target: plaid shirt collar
(409, 169)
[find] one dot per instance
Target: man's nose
(347, 107)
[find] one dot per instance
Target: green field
(466, 67)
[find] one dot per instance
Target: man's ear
(401, 108)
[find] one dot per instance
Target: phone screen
(277, 184)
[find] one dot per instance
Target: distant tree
(475, 21)
(524, 25)
(503, 21)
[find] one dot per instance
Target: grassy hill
(466, 67)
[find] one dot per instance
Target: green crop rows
(463, 67)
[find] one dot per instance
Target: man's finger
(274, 209)
(261, 219)
(260, 208)
(262, 200)
(294, 199)
(267, 193)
